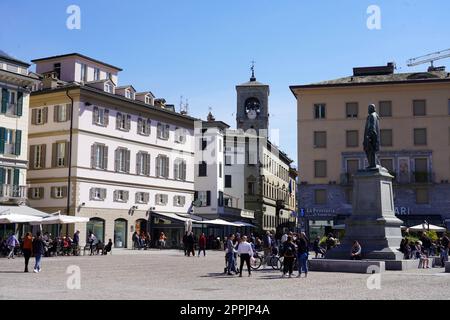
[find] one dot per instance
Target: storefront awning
(244, 224)
(23, 210)
(171, 216)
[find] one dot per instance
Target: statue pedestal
(373, 222)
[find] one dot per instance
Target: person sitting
(317, 248)
(108, 247)
(422, 256)
(356, 251)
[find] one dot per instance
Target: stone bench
(398, 265)
(351, 266)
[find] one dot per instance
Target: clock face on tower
(252, 108)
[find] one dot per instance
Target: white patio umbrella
(426, 227)
(18, 218)
(61, 219)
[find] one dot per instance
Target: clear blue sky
(202, 48)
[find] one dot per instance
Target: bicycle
(259, 260)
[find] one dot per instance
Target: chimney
(374, 71)
(50, 80)
(160, 103)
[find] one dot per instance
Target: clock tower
(252, 105)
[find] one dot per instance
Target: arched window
(120, 233)
(97, 227)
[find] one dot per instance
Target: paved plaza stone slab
(168, 274)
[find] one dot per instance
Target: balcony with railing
(9, 191)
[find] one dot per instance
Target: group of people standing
(31, 246)
(424, 247)
(189, 241)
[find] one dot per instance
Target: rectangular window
(351, 109)
(251, 188)
(319, 111)
(422, 196)
(83, 74)
(60, 154)
(123, 122)
(220, 169)
(202, 169)
(36, 193)
(58, 192)
(61, 113)
(121, 196)
(162, 166)
(161, 199)
(122, 160)
(385, 109)
(100, 116)
(99, 156)
(163, 131)
(144, 126)
(179, 201)
(98, 194)
(352, 138)
(386, 137)
(320, 139)
(142, 197)
(202, 196)
(421, 174)
(37, 156)
(320, 168)
(420, 137)
(57, 69)
(227, 181)
(320, 196)
(228, 158)
(419, 107)
(39, 116)
(180, 135)
(96, 74)
(179, 168)
(143, 163)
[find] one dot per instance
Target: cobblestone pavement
(169, 274)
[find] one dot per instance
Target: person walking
(202, 245)
(162, 240)
(245, 251)
(12, 242)
(317, 248)
(185, 244)
(27, 248)
(302, 254)
(76, 242)
(38, 250)
(289, 256)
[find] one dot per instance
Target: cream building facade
(415, 142)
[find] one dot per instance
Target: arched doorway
(97, 227)
(120, 233)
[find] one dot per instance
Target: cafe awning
(23, 210)
(18, 218)
(61, 219)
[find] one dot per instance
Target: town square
(234, 151)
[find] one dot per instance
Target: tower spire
(253, 71)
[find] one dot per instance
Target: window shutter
(176, 169)
(52, 192)
(128, 123)
(183, 166)
(208, 198)
(33, 116)
(68, 111)
(167, 131)
(103, 193)
(195, 195)
(2, 140)
(146, 197)
(5, 99)
(56, 111)
(139, 125)
(105, 158)
(18, 143)
(95, 115)
(116, 160)
(148, 128)
(136, 197)
(45, 115)
(220, 199)
(41, 192)
(64, 192)
(118, 120)
(30, 192)
(16, 177)
(54, 151)
(158, 166)
(166, 167)
(127, 162)
(43, 155)
(139, 162)
(93, 156)
(2, 176)
(19, 107)
(147, 169)
(115, 193)
(66, 155)
(126, 196)
(31, 157)
(91, 193)
(158, 133)
(106, 118)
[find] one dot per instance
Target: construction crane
(430, 58)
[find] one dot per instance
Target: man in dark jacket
(185, 243)
(38, 250)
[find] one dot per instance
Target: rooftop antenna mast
(253, 78)
(430, 58)
(183, 107)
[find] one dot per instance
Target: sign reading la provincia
(330, 212)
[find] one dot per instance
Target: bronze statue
(372, 137)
